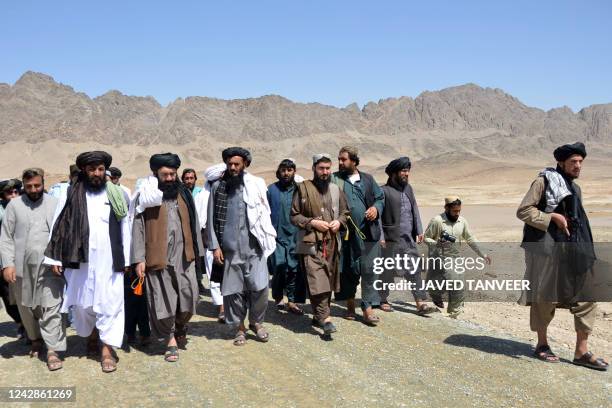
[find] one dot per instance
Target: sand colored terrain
(482, 359)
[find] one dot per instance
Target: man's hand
(9, 274)
(334, 226)
(487, 259)
(419, 239)
(320, 225)
(140, 269)
(383, 243)
(561, 223)
(371, 214)
(58, 270)
(218, 256)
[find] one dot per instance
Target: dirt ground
(482, 359)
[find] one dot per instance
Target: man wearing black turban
(559, 254)
(160, 160)
(397, 165)
(237, 151)
(89, 245)
(562, 153)
(166, 249)
(402, 228)
(241, 236)
(93, 158)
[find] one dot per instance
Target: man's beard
(233, 182)
(34, 197)
(322, 185)
(95, 184)
(170, 189)
(285, 182)
(401, 182)
(346, 171)
(564, 174)
(450, 217)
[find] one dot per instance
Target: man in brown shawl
(166, 248)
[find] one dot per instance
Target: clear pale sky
(546, 53)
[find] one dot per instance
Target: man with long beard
(166, 250)
(284, 264)
(319, 209)
(241, 236)
(402, 229)
(90, 245)
(559, 254)
(36, 289)
(366, 201)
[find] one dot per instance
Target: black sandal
(426, 309)
(544, 353)
(106, 367)
(240, 339)
(585, 361)
(171, 355)
(36, 348)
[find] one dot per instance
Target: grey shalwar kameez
(245, 270)
(38, 292)
(172, 292)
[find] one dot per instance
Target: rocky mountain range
(470, 120)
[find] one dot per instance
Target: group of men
(117, 260)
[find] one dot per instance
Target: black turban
(236, 151)
(94, 158)
(562, 153)
(398, 165)
(158, 161)
(115, 172)
(8, 185)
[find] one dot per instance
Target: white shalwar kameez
(94, 290)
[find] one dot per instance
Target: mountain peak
(35, 79)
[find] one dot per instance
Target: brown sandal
(370, 318)
(386, 307)
(544, 353)
(54, 363)
(260, 332)
(295, 309)
(589, 361)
